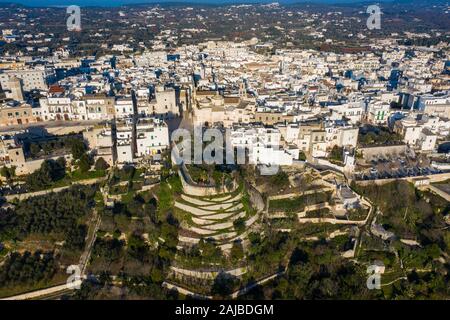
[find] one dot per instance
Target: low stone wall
(437, 191)
(256, 198)
(299, 194)
(195, 200)
(286, 196)
(196, 211)
(220, 216)
(24, 196)
(330, 220)
(192, 189)
(184, 291)
(218, 207)
(252, 220)
(326, 163)
(432, 178)
(218, 226)
(208, 274)
(189, 186)
(149, 187)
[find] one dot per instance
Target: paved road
(234, 295)
(92, 236)
(248, 288)
(50, 124)
(40, 293)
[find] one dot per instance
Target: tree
(34, 149)
(337, 154)
(302, 156)
(210, 251)
(239, 225)
(77, 147)
(85, 163)
(237, 251)
(55, 212)
(61, 161)
(101, 164)
(8, 173)
(280, 180)
(49, 172)
(224, 285)
(28, 268)
(76, 237)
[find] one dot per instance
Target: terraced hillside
(219, 219)
(212, 234)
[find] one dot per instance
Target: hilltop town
(330, 149)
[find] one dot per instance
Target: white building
(56, 108)
(152, 136)
(435, 105)
(263, 146)
(378, 112)
(101, 143)
(427, 140)
(163, 106)
(341, 135)
(416, 134)
(353, 111)
(409, 129)
(124, 141)
(148, 137)
(31, 79)
(123, 107)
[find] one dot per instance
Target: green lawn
(298, 204)
(78, 175)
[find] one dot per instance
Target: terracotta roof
(56, 89)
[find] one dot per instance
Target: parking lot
(396, 168)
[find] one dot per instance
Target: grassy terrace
(166, 192)
(299, 203)
(320, 213)
(317, 230)
(283, 223)
(357, 214)
(233, 194)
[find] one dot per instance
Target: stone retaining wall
(432, 178)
